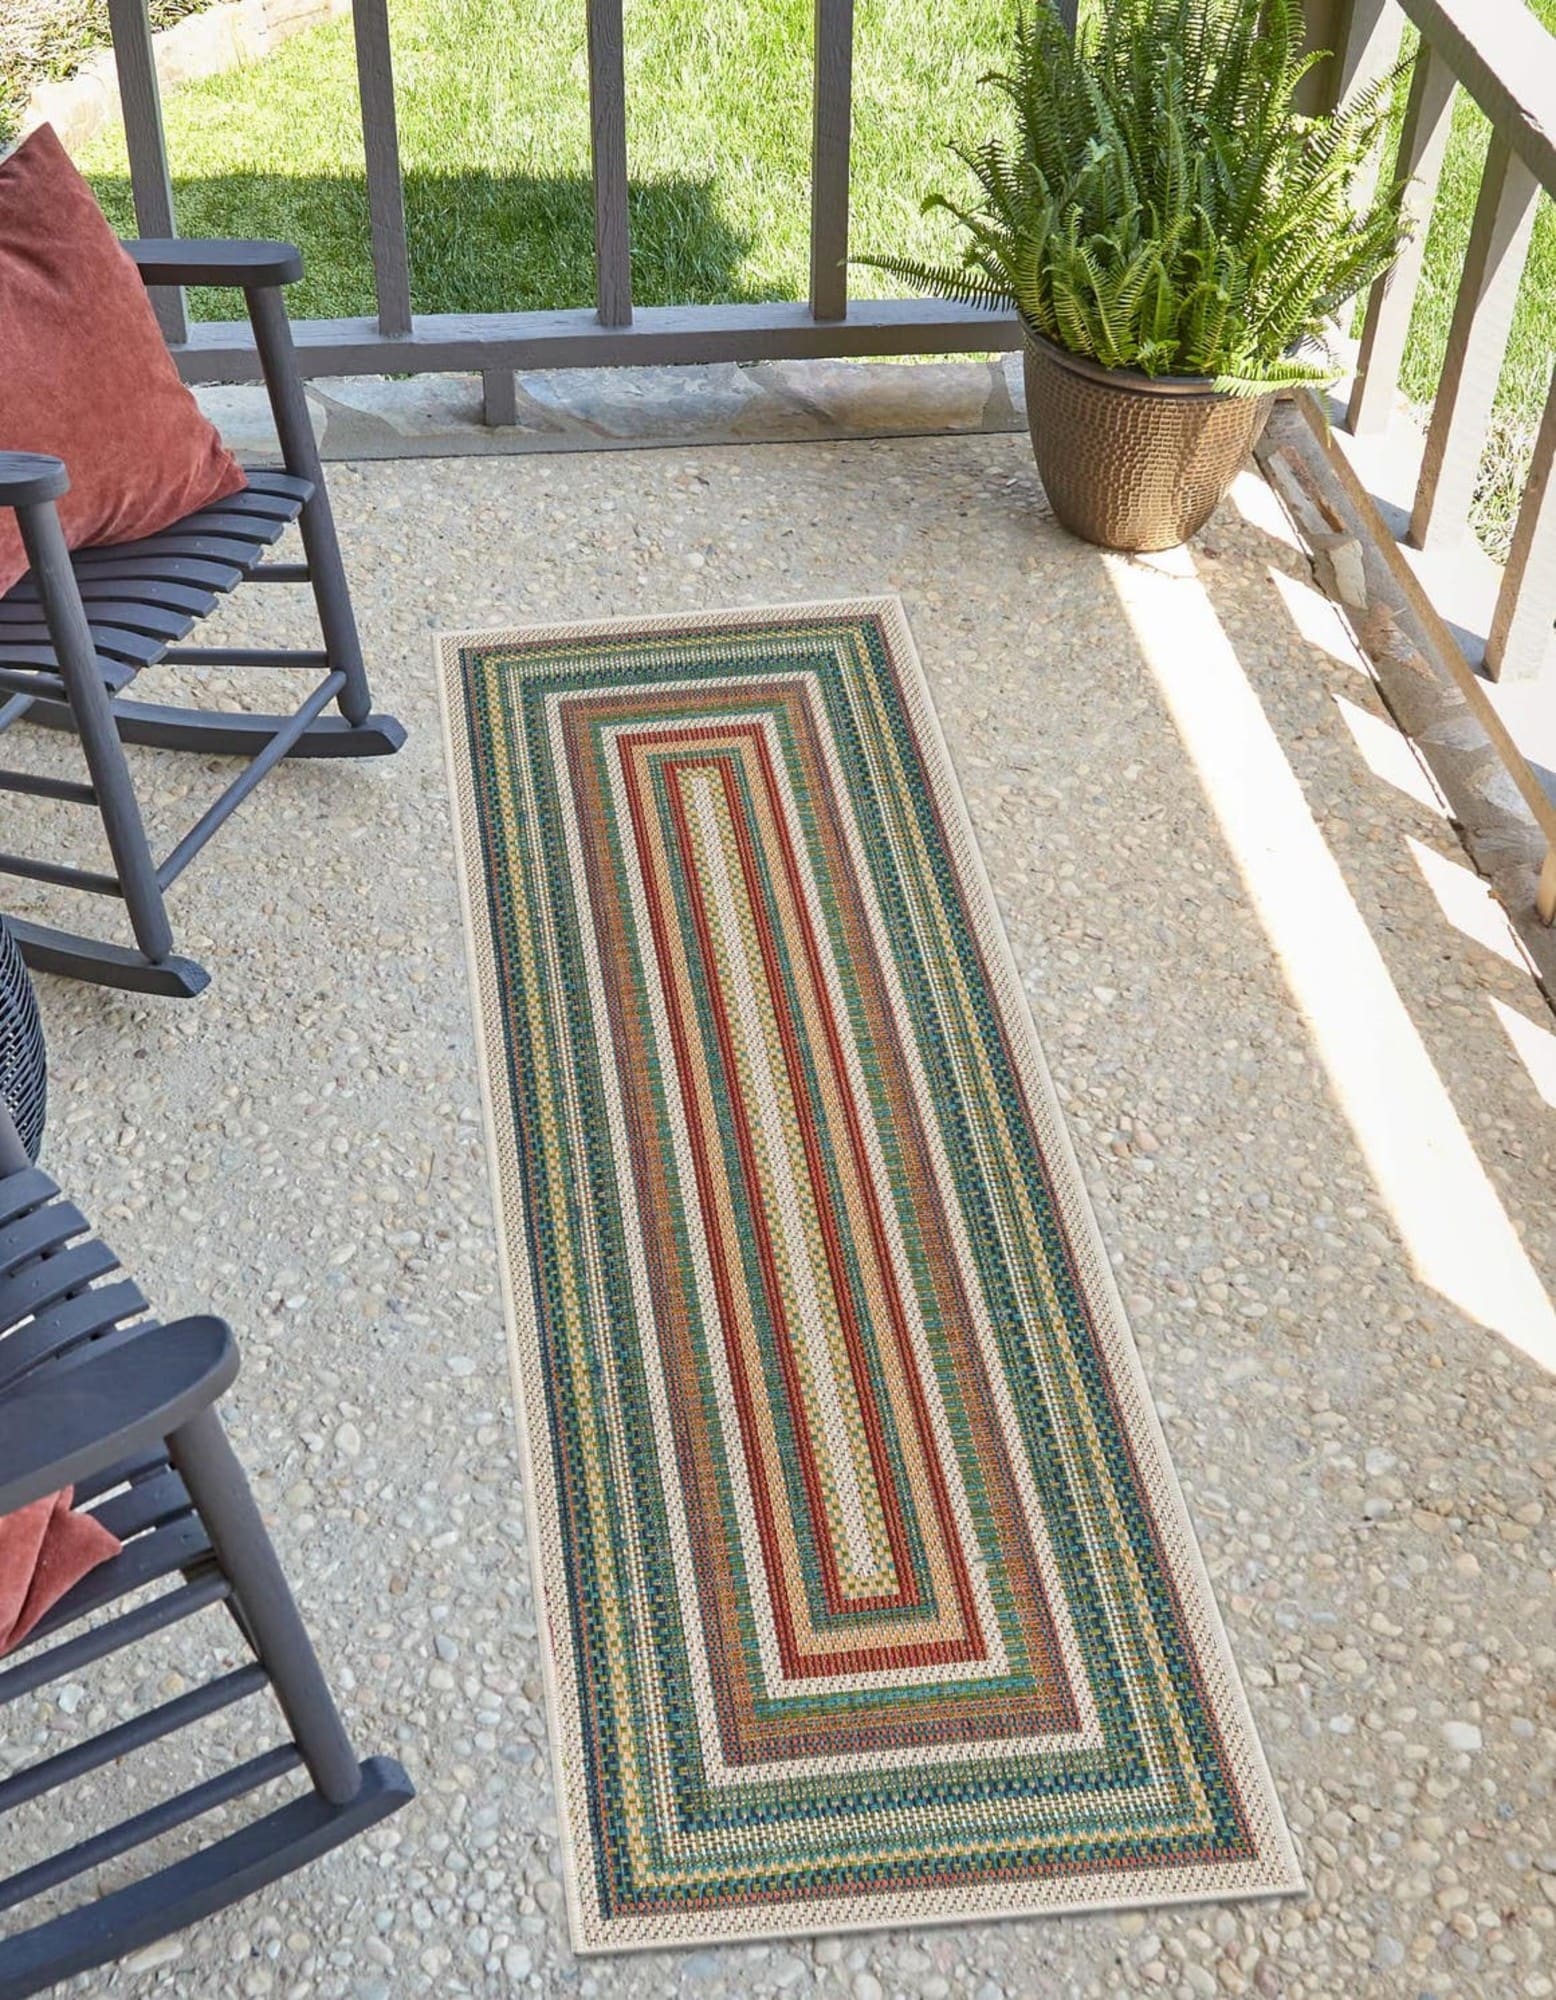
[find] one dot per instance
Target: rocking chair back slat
(177, 1545)
(23, 1191)
(149, 1503)
(157, 621)
(35, 1235)
(116, 570)
(54, 1278)
(112, 640)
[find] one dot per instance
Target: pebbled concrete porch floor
(1309, 1075)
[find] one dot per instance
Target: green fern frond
(1157, 202)
(1284, 374)
(964, 285)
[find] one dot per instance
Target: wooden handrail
(1505, 57)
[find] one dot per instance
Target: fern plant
(1162, 205)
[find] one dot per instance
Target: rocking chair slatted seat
(96, 1394)
(81, 626)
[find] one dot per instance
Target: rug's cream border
(1275, 1870)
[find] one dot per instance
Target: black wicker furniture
(23, 1070)
(79, 628)
(96, 1395)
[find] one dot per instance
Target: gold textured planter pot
(1133, 461)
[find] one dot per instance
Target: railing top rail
(1506, 59)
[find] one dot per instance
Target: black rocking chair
(125, 1412)
(78, 629)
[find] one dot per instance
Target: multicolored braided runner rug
(869, 1594)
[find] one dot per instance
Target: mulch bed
(50, 39)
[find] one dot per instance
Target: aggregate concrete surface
(1370, 1466)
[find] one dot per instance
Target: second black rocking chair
(78, 628)
(96, 1396)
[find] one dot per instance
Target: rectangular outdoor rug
(869, 1594)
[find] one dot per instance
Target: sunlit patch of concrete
(1453, 1224)
(1468, 904)
(1319, 620)
(1256, 501)
(1388, 755)
(1536, 1048)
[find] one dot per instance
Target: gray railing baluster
(381, 146)
(1423, 140)
(831, 133)
(1501, 53)
(499, 398)
(608, 146)
(1366, 47)
(146, 143)
(1477, 343)
(1519, 641)
(1368, 34)
(1361, 38)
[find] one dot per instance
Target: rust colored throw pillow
(45, 1550)
(84, 371)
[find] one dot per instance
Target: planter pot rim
(1130, 380)
(1127, 460)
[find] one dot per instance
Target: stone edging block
(205, 44)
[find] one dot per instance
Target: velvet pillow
(84, 371)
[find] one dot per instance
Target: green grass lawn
(493, 103)
(494, 137)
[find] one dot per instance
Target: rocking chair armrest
(189, 260)
(30, 477)
(73, 1419)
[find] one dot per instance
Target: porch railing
(1505, 59)
(1497, 50)
(613, 331)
